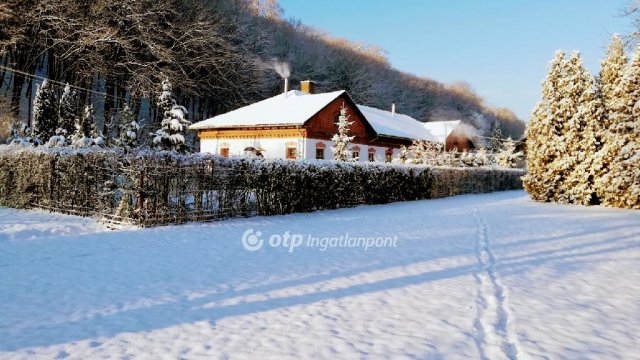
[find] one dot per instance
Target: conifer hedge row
(159, 188)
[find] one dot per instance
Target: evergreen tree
(174, 123)
(45, 112)
(129, 130)
(611, 74)
(572, 141)
(67, 111)
(496, 137)
(544, 134)
(85, 134)
(611, 71)
(165, 100)
(508, 157)
(582, 144)
(342, 139)
(619, 183)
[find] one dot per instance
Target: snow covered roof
(440, 130)
(396, 125)
(293, 108)
(296, 107)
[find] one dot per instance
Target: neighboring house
(300, 125)
(453, 134)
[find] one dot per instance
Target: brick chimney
(307, 86)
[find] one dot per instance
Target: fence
(160, 188)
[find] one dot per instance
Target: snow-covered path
(492, 276)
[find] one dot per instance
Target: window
(388, 155)
(320, 154)
(356, 154)
(372, 154)
(224, 152)
(292, 153)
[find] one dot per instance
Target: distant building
(300, 125)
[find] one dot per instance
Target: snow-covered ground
(481, 276)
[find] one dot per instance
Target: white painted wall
(276, 147)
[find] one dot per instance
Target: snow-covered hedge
(157, 188)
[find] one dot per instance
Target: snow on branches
(582, 140)
(174, 123)
(342, 140)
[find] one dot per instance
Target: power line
(14, 71)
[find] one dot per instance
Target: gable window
(224, 152)
(292, 153)
(320, 154)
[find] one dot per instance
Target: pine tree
(45, 112)
(545, 134)
(174, 123)
(619, 184)
(342, 140)
(129, 129)
(67, 111)
(85, 134)
(508, 157)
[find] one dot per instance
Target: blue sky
(500, 47)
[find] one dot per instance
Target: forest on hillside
(218, 54)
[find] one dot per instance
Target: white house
(300, 124)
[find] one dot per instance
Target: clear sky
(500, 47)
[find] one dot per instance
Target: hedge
(159, 188)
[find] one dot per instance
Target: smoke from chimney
(283, 69)
(393, 109)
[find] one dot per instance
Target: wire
(14, 71)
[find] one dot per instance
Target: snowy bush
(157, 188)
(85, 134)
(508, 157)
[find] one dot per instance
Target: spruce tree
(619, 183)
(67, 111)
(45, 112)
(342, 139)
(174, 123)
(545, 134)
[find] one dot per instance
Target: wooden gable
(323, 124)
